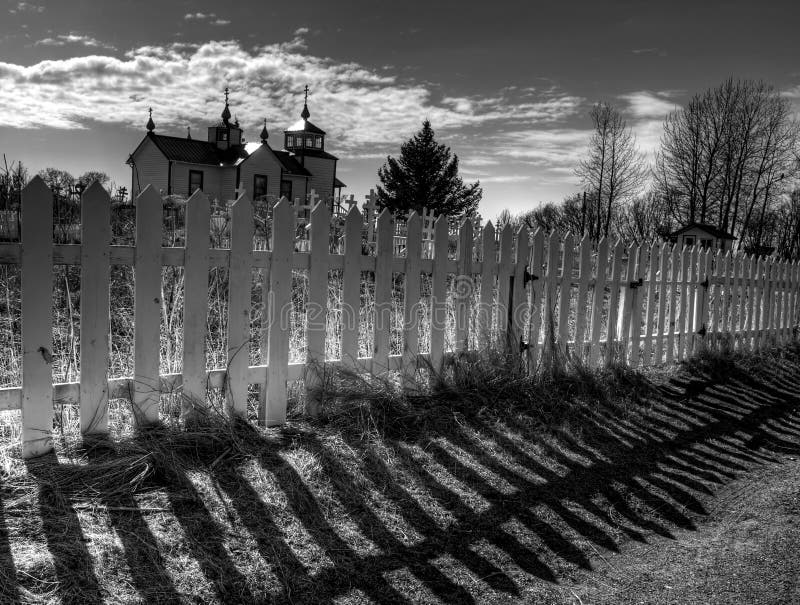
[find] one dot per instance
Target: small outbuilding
(703, 235)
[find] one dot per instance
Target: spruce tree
(426, 176)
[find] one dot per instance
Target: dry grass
(483, 485)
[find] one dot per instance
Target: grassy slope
(492, 489)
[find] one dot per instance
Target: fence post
(36, 272)
(598, 295)
(488, 273)
(95, 324)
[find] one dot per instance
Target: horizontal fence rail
(440, 290)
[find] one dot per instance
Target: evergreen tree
(426, 175)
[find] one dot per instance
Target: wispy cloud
(210, 18)
(645, 104)
(26, 7)
(73, 38)
(650, 51)
(364, 110)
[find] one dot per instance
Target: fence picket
(351, 285)
(613, 301)
(195, 303)
(519, 295)
(239, 301)
(598, 296)
(464, 285)
(565, 291)
(505, 269)
(317, 306)
(720, 263)
(751, 276)
(411, 294)
(147, 307)
(95, 324)
(635, 330)
(273, 410)
(550, 336)
(383, 292)
(584, 273)
(36, 291)
(537, 288)
(663, 299)
(441, 243)
(488, 274)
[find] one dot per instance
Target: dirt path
(746, 551)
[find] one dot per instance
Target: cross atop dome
(305, 114)
(151, 126)
(226, 113)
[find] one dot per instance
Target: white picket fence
(645, 305)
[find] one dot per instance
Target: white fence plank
(565, 291)
(613, 302)
(273, 412)
(195, 303)
(488, 284)
(317, 306)
(584, 274)
(505, 269)
(36, 267)
(537, 289)
(663, 302)
(411, 311)
(95, 322)
(464, 285)
(240, 284)
(438, 321)
(598, 295)
(147, 307)
(383, 292)
(520, 306)
(351, 285)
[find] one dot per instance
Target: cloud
(649, 51)
(26, 7)
(644, 104)
(73, 38)
(364, 110)
(210, 18)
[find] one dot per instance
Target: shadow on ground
(492, 508)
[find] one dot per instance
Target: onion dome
(264, 134)
(151, 126)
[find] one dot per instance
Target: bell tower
(225, 134)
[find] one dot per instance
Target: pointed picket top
(441, 227)
(385, 216)
(354, 216)
(488, 228)
(94, 189)
(507, 231)
(240, 206)
(282, 218)
(196, 199)
(320, 213)
(149, 195)
(35, 190)
(585, 240)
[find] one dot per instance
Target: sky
(506, 85)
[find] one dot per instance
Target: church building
(224, 166)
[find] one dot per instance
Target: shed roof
(710, 229)
(304, 126)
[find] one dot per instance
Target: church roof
(304, 126)
(316, 153)
(290, 164)
(338, 183)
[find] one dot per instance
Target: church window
(318, 142)
(288, 141)
(259, 186)
(309, 142)
(195, 181)
(298, 141)
(286, 189)
(222, 135)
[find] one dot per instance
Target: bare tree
(727, 157)
(613, 169)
